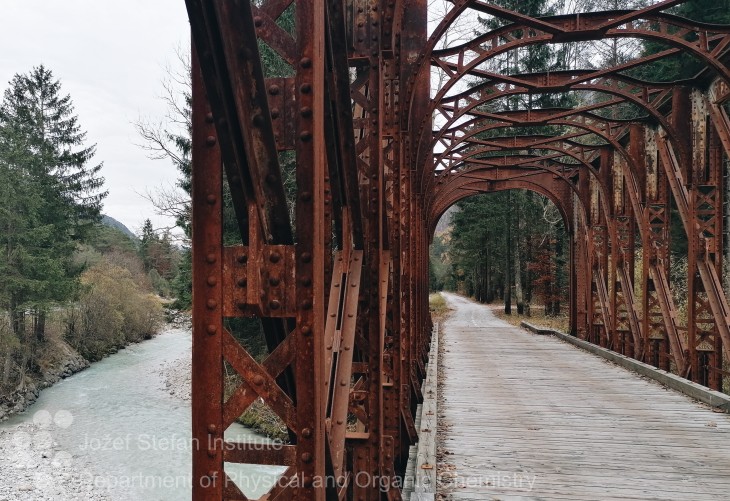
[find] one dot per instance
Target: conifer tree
(54, 196)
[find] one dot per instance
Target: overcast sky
(110, 57)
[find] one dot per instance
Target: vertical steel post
(207, 249)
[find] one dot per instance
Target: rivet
(258, 380)
(306, 257)
(212, 329)
(305, 135)
(211, 199)
(306, 112)
(306, 330)
(308, 482)
(210, 258)
(211, 453)
(342, 383)
(258, 120)
(212, 429)
(212, 280)
(242, 258)
(306, 196)
(275, 113)
(339, 421)
(212, 303)
(307, 305)
(305, 88)
(273, 90)
(274, 305)
(274, 257)
(242, 282)
(209, 118)
(306, 432)
(306, 281)
(210, 140)
(257, 21)
(305, 62)
(307, 457)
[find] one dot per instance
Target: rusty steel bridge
(341, 284)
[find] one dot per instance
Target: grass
(437, 306)
(261, 418)
(537, 317)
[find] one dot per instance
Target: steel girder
(621, 205)
(341, 288)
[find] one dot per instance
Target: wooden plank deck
(523, 416)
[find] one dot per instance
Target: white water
(126, 432)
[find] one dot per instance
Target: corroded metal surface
(341, 287)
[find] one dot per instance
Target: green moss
(262, 419)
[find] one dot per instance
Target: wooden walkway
(523, 416)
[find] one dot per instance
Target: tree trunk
(7, 367)
(558, 275)
(39, 325)
(17, 319)
(517, 269)
(487, 281)
(507, 275)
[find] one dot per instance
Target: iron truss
(341, 282)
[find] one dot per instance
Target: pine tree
(683, 65)
(56, 197)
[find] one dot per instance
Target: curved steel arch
(612, 141)
(600, 18)
(638, 100)
(553, 143)
(544, 163)
(484, 186)
(529, 118)
(706, 55)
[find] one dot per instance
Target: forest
(76, 285)
(512, 246)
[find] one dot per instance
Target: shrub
(112, 311)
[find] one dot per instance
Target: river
(118, 426)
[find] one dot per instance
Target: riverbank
(34, 467)
(175, 379)
(58, 361)
(104, 433)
